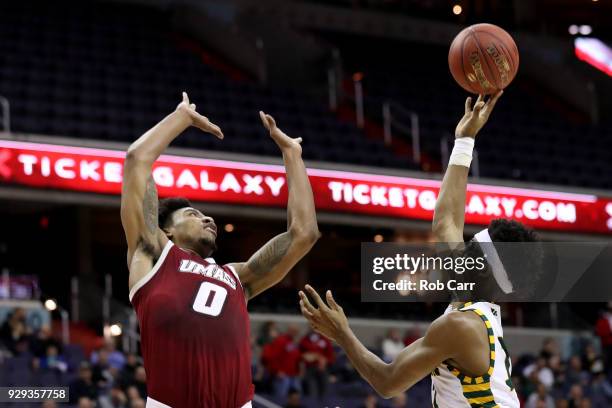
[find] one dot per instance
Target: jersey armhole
(143, 281)
(465, 379)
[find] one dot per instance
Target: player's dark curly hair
(167, 207)
(524, 262)
(502, 230)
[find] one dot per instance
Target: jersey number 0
(210, 299)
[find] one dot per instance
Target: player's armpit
(273, 261)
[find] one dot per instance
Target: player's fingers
(298, 139)
(305, 311)
(491, 102)
(478, 107)
(264, 120)
(468, 104)
(216, 130)
(193, 106)
(315, 296)
(481, 98)
(331, 301)
(185, 97)
(271, 121)
(306, 302)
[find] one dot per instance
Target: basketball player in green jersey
(463, 349)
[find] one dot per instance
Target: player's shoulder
(458, 326)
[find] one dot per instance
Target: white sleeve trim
(231, 268)
(143, 281)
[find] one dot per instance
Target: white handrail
(6, 114)
(390, 121)
(475, 164)
(332, 89)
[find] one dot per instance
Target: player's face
(189, 225)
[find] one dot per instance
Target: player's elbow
(386, 391)
(135, 155)
(305, 236)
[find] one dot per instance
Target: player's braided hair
(167, 206)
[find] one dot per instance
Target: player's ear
(168, 232)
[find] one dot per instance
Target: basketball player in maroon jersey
(192, 312)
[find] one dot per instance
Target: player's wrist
(183, 116)
(291, 151)
(462, 152)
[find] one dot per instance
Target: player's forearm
(370, 367)
(450, 205)
(301, 214)
(148, 147)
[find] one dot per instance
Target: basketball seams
(485, 58)
(465, 77)
(509, 54)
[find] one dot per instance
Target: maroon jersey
(195, 332)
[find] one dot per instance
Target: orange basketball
(483, 58)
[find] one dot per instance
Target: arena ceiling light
(50, 305)
(594, 52)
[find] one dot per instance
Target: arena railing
(6, 114)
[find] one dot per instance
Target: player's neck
(202, 252)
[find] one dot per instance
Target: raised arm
(139, 194)
(274, 260)
(449, 213)
(415, 362)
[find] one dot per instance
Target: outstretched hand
(328, 319)
(197, 120)
(475, 118)
(283, 141)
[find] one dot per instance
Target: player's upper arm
(139, 204)
(442, 341)
(271, 263)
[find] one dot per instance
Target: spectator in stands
(575, 374)
(561, 403)
(282, 359)
(127, 373)
(411, 336)
(399, 401)
(53, 360)
(85, 402)
(392, 345)
(539, 372)
(317, 354)
(48, 404)
(293, 399)
(41, 341)
(267, 332)
(601, 390)
(140, 382)
(575, 396)
(550, 348)
(14, 331)
(116, 398)
(540, 398)
(603, 329)
(83, 386)
(370, 401)
(591, 360)
(115, 358)
(134, 397)
(101, 374)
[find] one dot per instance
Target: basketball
(483, 58)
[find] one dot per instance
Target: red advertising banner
(231, 182)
